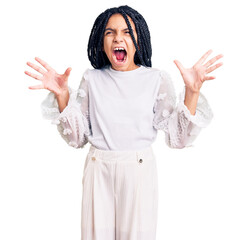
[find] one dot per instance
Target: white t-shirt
(122, 110)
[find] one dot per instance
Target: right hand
(50, 79)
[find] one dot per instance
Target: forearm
(63, 99)
(190, 100)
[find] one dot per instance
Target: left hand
(195, 76)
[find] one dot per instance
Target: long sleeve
(180, 127)
(73, 123)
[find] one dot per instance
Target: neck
(126, 68)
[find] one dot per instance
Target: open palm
(195, 76)
(50, 79)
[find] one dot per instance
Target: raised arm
(174, 118)
(67, 108)
(74, 122)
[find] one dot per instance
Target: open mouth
(120, 55)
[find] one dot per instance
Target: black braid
(98, 57)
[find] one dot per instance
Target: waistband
(131, 155)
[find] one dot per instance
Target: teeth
(116, 49)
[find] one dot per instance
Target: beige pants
(120, 195)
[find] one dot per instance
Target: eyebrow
(111, 29)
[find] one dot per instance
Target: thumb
(67, 72)
(179, 66)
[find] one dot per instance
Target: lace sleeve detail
(73, 123)
(179, 126)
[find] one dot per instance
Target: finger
(209, 78)
(35, 67)
(67, 72)
(179, 66)
(204, 57)
(33, 75)
(36, 87)
(213, 60)
(43, 63)
(210, 69)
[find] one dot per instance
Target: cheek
(131, 46)
(131, 43)
(106, 46)
(133, 50)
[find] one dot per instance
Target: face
(118, 44)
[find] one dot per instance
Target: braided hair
(98, 57)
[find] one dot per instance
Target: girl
(118, 108)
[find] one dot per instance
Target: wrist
(191, 91)
(191, 99)
(62, 94)
(63, 98)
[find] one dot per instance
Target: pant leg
(137, 198)
(98, 206)
(119, 195)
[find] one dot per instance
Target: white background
(202, 189)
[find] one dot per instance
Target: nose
(118, 38)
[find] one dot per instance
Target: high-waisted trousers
(120, 195)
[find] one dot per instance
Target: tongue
(120, 55)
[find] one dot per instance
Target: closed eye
(108, 33)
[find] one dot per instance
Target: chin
(124, 65)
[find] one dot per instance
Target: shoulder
(162, 75)
(91, 73)
(151, 70)
(164, 80)
(88, 75)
